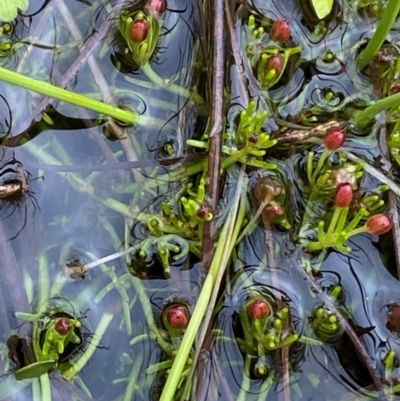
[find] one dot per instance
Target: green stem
(133, 378)
(245, 386)
(334, 220)
(178, 366)
(363, 118)
(313, 246)
(173, 88)
(36, 394)
(50, 90)
(45, 387)
(320, 164)
(44, 283)
(95, 341)
(385, 24)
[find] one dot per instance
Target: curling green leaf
(9, 9)
(322, 8)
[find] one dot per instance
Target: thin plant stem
(267, 384)
(44, 283)
(76, 99)
(384, 26)
(235, 227)
(133, 378)
(173, 88)
(178, 366)
(216, 133)
(363, 118)
(94, 343)
(245, 386)
(36, 393)
(334, 220)
(45, 387)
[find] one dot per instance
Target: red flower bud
(139, 30)
(280, 31)
(63, 326)
(344, 195)
(155, 7)
(258, 309)
(274, 210)
(204, 212)
(378, 224)
(275, 63)
(334, 139)
(177, 317)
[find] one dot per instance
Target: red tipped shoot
(275, 63)
(155, 7)
(177, 317)
(274, 210)
(280, 31)
(258, 309)
(334, 139)
(63, 326)
(344, 195)
(139, 30)
(379, 224)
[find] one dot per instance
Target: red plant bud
(274, 210)
(378, 224)
(275, 63)
(139, 30)
(203, 210)
(258, 309)
(280, 31)
(177, 317)
(344, 195)
(334, 139)
(155, 7)
(253, 139)
(63, 326)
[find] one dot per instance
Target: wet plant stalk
(133, 378)
(246, 382)
(384, 26)
(45, 387)
(363, 118)
(200, 309)
(235, 227)
(215, 141)
(76, 99)
(171, 87)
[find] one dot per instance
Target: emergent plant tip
(139, 30)
(280, 31)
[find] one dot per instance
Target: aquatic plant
(242, 180)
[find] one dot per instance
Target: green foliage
(140, 51)
(322, 8)
(9, 9)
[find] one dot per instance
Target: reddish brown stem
(217, 110)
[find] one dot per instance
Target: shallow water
(86, 190)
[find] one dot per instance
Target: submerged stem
(77, 99)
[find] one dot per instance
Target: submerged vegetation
(199, 200)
